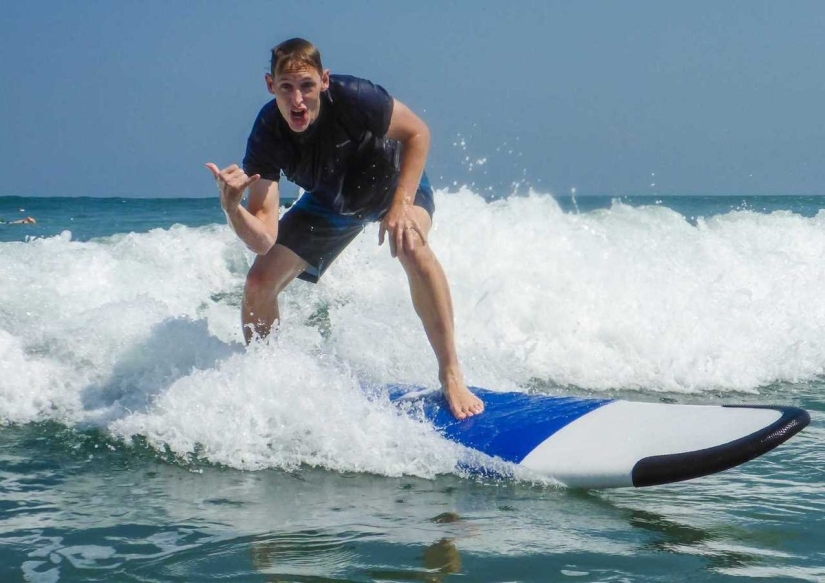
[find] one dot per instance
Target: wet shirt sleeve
(261, 146)
(368, 105)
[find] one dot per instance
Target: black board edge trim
(666, 469)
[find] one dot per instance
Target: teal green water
(89, 217)
(80, 507)
(119, 386)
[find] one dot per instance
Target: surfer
(359, 155)
(24, 221)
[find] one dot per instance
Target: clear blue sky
(105, 98)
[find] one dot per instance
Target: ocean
(141, 441)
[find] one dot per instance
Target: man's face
(298, 95)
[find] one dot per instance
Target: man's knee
(417, 260)
(261, 280)
(271, 273)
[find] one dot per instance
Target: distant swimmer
(359, 155)
(26, 221)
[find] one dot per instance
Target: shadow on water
(166, 521)
(675, 537)
(173, 349)
(649, 538)
(314, 555)
(732, 540)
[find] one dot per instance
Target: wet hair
(295, 53)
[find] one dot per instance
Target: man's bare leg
(431, 298)
(267, 277)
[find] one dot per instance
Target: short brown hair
(295, 53)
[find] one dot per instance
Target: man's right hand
(232, 181)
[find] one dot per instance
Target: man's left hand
(402, 228)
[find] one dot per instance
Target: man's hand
(402, 228)
(232, 182)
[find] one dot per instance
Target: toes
(467, 407)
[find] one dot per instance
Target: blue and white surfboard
(609, 443)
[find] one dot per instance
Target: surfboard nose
(665, 469)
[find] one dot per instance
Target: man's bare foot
(463, 403)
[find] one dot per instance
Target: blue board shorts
(317, 233)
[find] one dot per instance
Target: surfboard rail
(677, 467)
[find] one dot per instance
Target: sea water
(141, 440)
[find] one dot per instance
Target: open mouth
(299, 116)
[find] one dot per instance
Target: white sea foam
(139, 333)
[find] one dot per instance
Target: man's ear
(325, 80)
(270, 83)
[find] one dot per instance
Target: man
(25, 221)
(359, 155)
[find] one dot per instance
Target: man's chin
(298, 126)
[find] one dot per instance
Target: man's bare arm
(414, 135)
(256, 225)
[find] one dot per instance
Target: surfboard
(608, 443)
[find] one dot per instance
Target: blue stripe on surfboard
(512, 424)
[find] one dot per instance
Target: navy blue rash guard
(343, 158)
